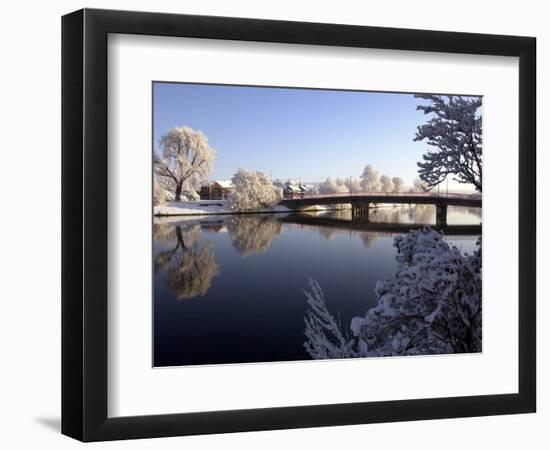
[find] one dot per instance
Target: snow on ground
(208, 207)
(204, 207)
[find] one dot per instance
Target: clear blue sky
(296, 133)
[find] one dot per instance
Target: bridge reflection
(361, 202)
(387, 227)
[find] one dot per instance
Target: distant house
(293, 191)
(217, 190)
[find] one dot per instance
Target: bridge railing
(389, 194)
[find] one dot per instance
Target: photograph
(267, 225)
(296, 224)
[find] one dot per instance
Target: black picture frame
(84, 224)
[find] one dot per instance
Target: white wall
(30, 226)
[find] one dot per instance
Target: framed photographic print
(273, 224)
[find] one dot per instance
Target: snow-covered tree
(454, 133)
(252, 190)
(419, 186)
(398, 184)
(161, 191)
(386, 184)
(431, 305)
(355, 185)
(312, 189)
(330, 186)
(186, 159)
(370, 179)
(343, 184)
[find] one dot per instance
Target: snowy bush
(253, 191)
(431, 305)
(161, 192)
(190, 195)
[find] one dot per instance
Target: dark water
(229, 289)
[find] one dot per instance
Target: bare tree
(186, 159)
(454, 133)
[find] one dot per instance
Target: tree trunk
(178, 192)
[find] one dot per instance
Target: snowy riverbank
(203, 208)
(212, 207)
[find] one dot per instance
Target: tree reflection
(327, 232)
(369, 238)
(188, 268)
(417, 214)
(253, 234)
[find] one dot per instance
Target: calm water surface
(229, 289)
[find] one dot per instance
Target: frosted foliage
(370, 180)
(324, 338)
(186, 159)
(419, 186)
(454, 134)
(398, 184)
(431, 305)
(343, 184)
(386, 184)
(330, 186)
(355, 185)
(161, 191)
(252, 191)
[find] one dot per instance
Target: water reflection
(250, 271)
(187, 266)
(407, 214)
(369, 238)
(253, 233)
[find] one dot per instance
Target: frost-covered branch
(186, 159)
(325, 339)
(454, 133)
(431, 305)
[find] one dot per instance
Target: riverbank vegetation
(431, 305)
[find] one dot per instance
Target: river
(229, 288)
